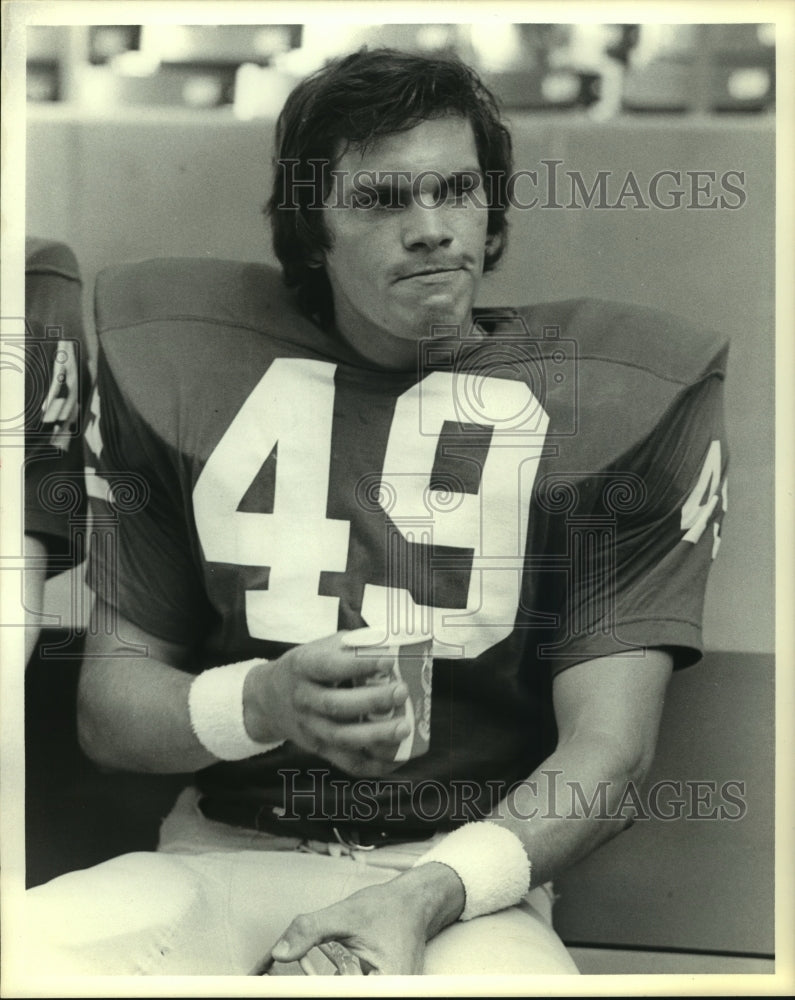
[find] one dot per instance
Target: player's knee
(113, 918)
(511, 942)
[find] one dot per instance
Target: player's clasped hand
(379, 930)
(315, 695)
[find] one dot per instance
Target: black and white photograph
(396, 499)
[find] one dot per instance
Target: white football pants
(214, 899)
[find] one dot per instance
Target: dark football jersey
(543, 489)
(56, 383)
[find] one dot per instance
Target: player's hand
(315, 696)
(380, 930)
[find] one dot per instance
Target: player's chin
(451, 318)
(446, 304)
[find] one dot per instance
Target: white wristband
(215, 702)
(491, 862)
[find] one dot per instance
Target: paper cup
(409, 659)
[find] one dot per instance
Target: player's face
(407, 244)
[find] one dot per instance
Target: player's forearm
(553, 835)
(145, 713)
(571, 804)
(134, 711)
(133, 715)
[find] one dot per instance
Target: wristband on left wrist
(491, 863)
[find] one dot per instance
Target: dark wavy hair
(352, 102)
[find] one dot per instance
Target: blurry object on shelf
(598, 53)
(219, 44)
(106, 41)
(441, 38)
(205, 91)
(536, 66)
(625, 38)
(140, 83)
(742, 67)
(562, 87)
(179, 66)
(659, 68)
(260, 91)
(44, 42)
(675, 43)
(322, 41)
(660, 86)
(742, 88)
(340, 39)
(701, 67)
(742, 38)
(766, 34)
(549, 90)
(600, 70)
(502, 48)
(43, 80)
(45, 49)
(55, 57)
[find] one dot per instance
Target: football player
(56, 383)
(288, 460)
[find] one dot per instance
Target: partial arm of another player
(133, 711)
(608, 712)
(35, 577)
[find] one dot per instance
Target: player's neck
(383, 351)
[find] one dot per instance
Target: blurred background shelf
(606, 70)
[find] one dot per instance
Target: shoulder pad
(50, 257)
(665, 345)
(228, 292)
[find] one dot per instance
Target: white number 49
(700, 505)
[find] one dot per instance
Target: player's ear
(493, 245)
(315, 257)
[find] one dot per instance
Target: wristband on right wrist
(215, 704)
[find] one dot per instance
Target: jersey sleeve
(57, 383)
(639, 564)
(142, 562)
